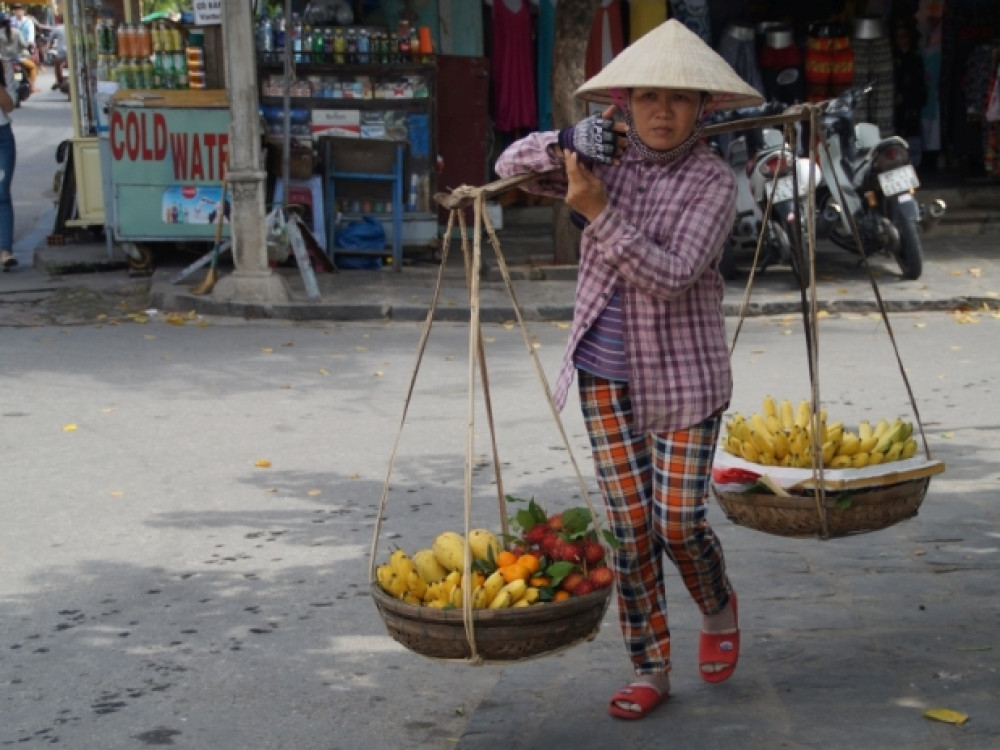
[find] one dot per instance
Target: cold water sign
(169, 146)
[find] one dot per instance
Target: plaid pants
(654, 485)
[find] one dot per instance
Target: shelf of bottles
(150, 56)
(339, 45)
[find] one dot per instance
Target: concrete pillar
(252, 280)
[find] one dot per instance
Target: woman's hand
(584, 193)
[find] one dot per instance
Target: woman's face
(664, 118)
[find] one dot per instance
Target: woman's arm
(6, 103)
(537, 152)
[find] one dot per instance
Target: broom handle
(218, 224)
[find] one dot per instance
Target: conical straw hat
(671, 56)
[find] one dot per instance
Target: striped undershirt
(601, 351)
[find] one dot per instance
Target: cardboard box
(300, 164)
(338, 122)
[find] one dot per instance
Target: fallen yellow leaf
(919, 325)
(270, 489)
(977, 272)
(323, 371)
(355, 476)
(176, 319)
(262, 463)
(946, 715)
(361, 348)
(378, 373)
(956, 273)
(822, 314)
(69, 427)
(267, 350)
(314, 493)
(117, 493)
(947, 435)
(561, 325)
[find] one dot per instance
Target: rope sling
(455, 635)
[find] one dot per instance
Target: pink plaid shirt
(660, 238)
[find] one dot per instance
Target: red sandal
(641, 694)
(720, 648)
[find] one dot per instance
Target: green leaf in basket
(557, 571)
(575, 520)
(843, 501)
(610, 539)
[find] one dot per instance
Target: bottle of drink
(148, 74)
(404, 45)
(167, 73)
(99, 36)
(265, 39)
(145, 42)
(364, 47)
(307, 43)
(339, 47)
(279, 35)
(296, 38)
(176, 43)
(414, 45)
(180, 70)
(352, 47)
(108, 33)
(393, 51)
(122, 73)
(328, 50)
(318, 49)
(121, 42)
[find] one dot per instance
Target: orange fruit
(514, 572)
(539, 581)
(561, 596)
(530, 562)
(505, 558)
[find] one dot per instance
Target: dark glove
(593, 138)
(578, 220)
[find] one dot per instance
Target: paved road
(160, 589)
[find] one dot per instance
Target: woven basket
(870, 509)
(502, 635)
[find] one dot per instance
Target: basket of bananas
(765, 474)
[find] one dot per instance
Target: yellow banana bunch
(782, 434)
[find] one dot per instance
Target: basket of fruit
(764, 476)
(542, 589)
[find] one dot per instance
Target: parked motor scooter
(758, 157)
(22, 86)
(871, 179)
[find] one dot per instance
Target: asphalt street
(160, 588)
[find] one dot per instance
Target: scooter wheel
(910, 254)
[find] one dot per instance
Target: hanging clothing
(782, 74)
(645, 15)
(694, 14)
(738, 48)
(513, 67)
(873, 63)
(546, 49)
(607, 37)
(929, 23)
(981, 80)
